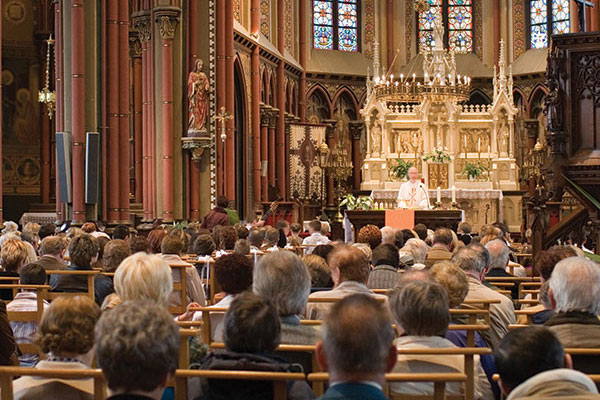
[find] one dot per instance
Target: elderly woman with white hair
(414, 250)
(283, 278)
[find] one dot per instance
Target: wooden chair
(468, 353)
(527, 313)
(29, 316)
(471, 330)
(279, 379)
(439, 382)
(8, 373)
(528, 286)
(184, 346)
(512, 327)
(473, 314)
(535, 294)
(529, 302)
(10, 280)
(208, 280)
(179, 286)
(88, 274)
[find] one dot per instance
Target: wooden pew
(8, 373)
(29, 316)
(279, 379)
(179, 286)
(469, 361)
(206, 322)
(439, 382)
(89, 274)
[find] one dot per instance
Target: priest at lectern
(413, 194)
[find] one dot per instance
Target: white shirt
(413, 194)
(314, 240)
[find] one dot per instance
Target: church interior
(322, 131)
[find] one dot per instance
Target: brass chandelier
(47, 96)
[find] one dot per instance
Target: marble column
(59, 114)
(302, 56)
(112, 112)
(356, 130)
(230, 166)
(123, 135)
(265, 118)
(255, 103)
(138, 116)
(167, 18)
(272, 145)
(143, 26)
(78, 110)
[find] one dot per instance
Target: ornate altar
(409, 117)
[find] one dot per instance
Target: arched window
(547, 17)
(336, 25)
(457, 18)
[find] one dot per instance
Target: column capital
(167, 19)
(532, 127)
(330, 129)
(274, 116)
(135, 44)
(142, 23)
(356, 129)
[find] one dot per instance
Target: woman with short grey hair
(283, 278)
(417, 250)
(422, 312)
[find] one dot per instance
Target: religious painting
(306, 177)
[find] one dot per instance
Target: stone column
(280, 138)
(302, 55)
(221, 86)
(390, 32)
(78, 110)
(112, 112)
(138, 116)
(574, 14)
(265, 118)
(496, 30)
(194, 165)
(595, 17)
(143, 25)
(59, 115)
(123, 67)
(272, 145)
(167, 18)
(255, 103)
(330, 136)
(356, 130)
(230, 166)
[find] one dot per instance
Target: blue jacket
(353, 391)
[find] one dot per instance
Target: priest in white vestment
(413, 194)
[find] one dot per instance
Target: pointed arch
(319, 102)
(347, 93)
(536, 100)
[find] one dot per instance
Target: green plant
(474, 170)
(400, 170)
(439, 155)
(357, 203)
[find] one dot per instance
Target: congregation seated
(464, 233)
(456, 284)
(66, 337)
(370, 235)
(121, 232)
(171, 249)
(52, 252)
(532, 365)
(255, 239)
(350, 274)
(252, 334)
(14, 255)
(233, 273)
(421, 231)
(271, 240)
(320, 275)
(155, 238)
(421, 310)
(227, 238)
(473, 260)
(204, 245)
(242, 247)
(323, 250)
(357, 362)
(137, 345)
(575, 296)
(218, 215)
(46, 230)
(440, 249)
(83, 251)
(543, 310)
(413, 253)
(283, 278)
(386, 264)
(499, 258)
(115, 251)
(294, 239)
(26, 300)
(315, 237)
(139, 244)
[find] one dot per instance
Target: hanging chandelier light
(46, 96)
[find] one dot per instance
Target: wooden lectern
(433, 219)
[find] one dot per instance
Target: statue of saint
(376, 138)
(197, 91)
(553, 109)
(503, 138)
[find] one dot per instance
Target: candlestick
(453, 194)
(439, 194)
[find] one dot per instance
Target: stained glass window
(335, 25)
(547, 17)
(457, 18)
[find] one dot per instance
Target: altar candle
(479, 145)
(439, 194)
(453, 194)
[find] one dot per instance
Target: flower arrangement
(357, 203)
(474, 170)
(400, 170)
(439, 155)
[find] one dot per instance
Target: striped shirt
(25, 331)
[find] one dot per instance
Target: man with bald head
(350, 273)
(413, 194)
